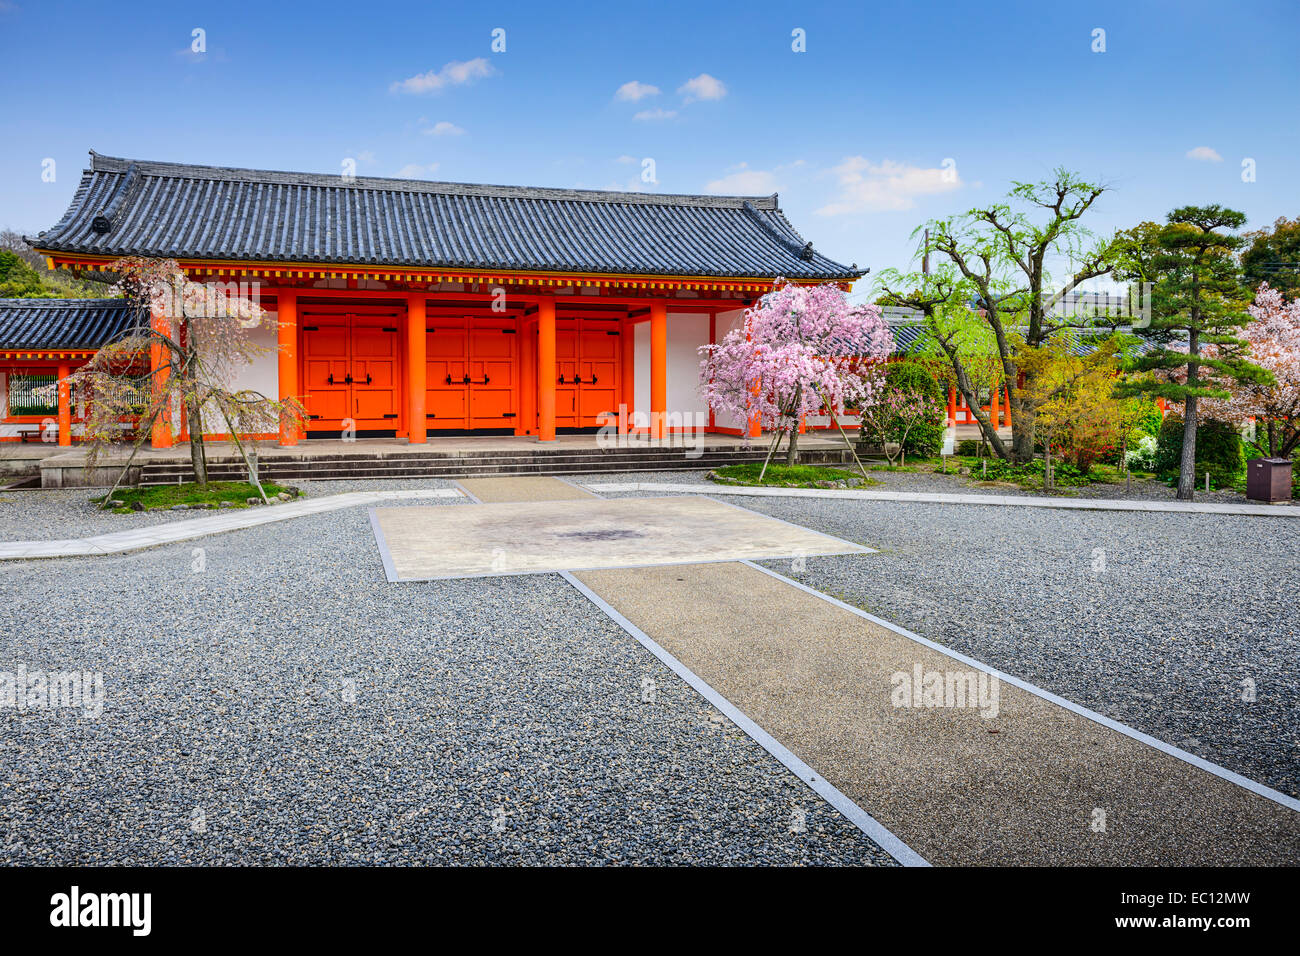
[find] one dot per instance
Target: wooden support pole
(65, 406)
(628, 398)
(546, 369)
(416, 425)
(287, 370)
(161, 434)
(658, 368)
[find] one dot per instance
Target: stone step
(160, 473)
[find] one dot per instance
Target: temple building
(409, 309)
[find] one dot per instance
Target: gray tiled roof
(62, 323)
(908, 331)
(129, 207)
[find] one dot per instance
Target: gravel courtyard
(271, 699)
(286, 705)
(1152, 619)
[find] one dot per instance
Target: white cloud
(888, 185)
(634, 90)
(625, 159)
(443, 128)
(703, 87)
(742, 181)
(655, 114)
(455, 73)
(1205, 153)
(416, 171)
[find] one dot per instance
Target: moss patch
(789, 476)
(168, 496)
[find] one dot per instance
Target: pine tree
(1197, 299)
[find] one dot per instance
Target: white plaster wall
(641, 367)
(727, 321)
(687, 331)
(261, 375)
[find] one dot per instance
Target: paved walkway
(525, 488)
(1021, 501)
(1016, 776)
(1033, 782)
(119, 542)
(513, 536)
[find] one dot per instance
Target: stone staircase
(432, 464)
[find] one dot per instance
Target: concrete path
(535, 537)
(1036, 784)
(119, 542)
(526, 488)
(1022, 501)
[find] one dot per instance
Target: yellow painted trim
(314, 270)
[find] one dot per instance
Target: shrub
(1219, 451)
(1142, 457)
(925, 439)
(968, 447)
(1151, 418)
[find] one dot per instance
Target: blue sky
(853, 133)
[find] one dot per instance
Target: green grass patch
(167, 496)
(787, 476)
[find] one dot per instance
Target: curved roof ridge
(115, 164)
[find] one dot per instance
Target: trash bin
(1268, 479)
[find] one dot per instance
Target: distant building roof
(908, 331)
(63, 323)
(133, 207)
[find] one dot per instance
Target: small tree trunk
(1187, 466)
(249, 463)
(127, 467)
(771, 450)
(198, 453)
(792, 452)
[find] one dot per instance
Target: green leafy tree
(1197, 300)
(1000, 262)
(1273, 256)
(18, 280)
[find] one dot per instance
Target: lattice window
(33, 395)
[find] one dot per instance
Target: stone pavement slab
(531, 537)
(522, 488)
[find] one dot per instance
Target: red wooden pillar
(546, 370)
(658, 368)
(952, 404)
(416, 325)
(286, 304)
(628, 398)
(161, 435)
(65, 406)
(995, 406)
(1006, 398)
(713, 340)
(528, 378)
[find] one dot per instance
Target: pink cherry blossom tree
(802, 350)
(1272, 342)
(199, 338)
